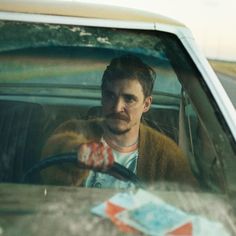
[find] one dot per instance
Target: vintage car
(52, 57)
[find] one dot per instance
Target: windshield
(51, 74)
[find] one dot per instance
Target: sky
(212, 22)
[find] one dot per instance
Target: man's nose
(119, 105)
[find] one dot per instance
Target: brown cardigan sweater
(159, 157)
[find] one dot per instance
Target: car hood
(49, 210)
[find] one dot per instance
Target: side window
(203, 157)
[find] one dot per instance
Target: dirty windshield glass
(55, 54)
(51, 74)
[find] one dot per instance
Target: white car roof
(79, 8)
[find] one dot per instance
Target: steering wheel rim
(116, 170)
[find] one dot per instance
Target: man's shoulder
(154, 136)
(91, 127)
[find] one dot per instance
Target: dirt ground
(226, 72)
(224, 67)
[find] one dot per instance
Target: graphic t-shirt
(125, 156)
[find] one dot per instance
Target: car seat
(20, 138)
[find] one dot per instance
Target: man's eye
(129, 99)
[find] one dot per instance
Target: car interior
(46, 83)
(25, 127)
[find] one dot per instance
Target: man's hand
(96, 155)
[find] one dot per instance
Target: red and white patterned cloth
(96, 155)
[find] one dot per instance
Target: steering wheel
(115, 170)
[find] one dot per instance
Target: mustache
(118, 116)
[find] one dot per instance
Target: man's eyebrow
(130, 95)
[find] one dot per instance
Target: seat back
(20, 138)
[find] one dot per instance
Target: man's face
(123, 104)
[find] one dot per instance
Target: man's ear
(147, 103)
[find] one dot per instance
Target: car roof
(79, 8)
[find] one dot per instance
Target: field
(224, 67)
(226, 72)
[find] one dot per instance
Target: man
(127, 85)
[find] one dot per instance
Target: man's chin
(117, 130)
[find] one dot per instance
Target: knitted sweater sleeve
(160, 159)
(67, 138)
(177, 166)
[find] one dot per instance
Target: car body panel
(82, 9)
(46, 210)
(66, 210)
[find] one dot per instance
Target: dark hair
(130, 66)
